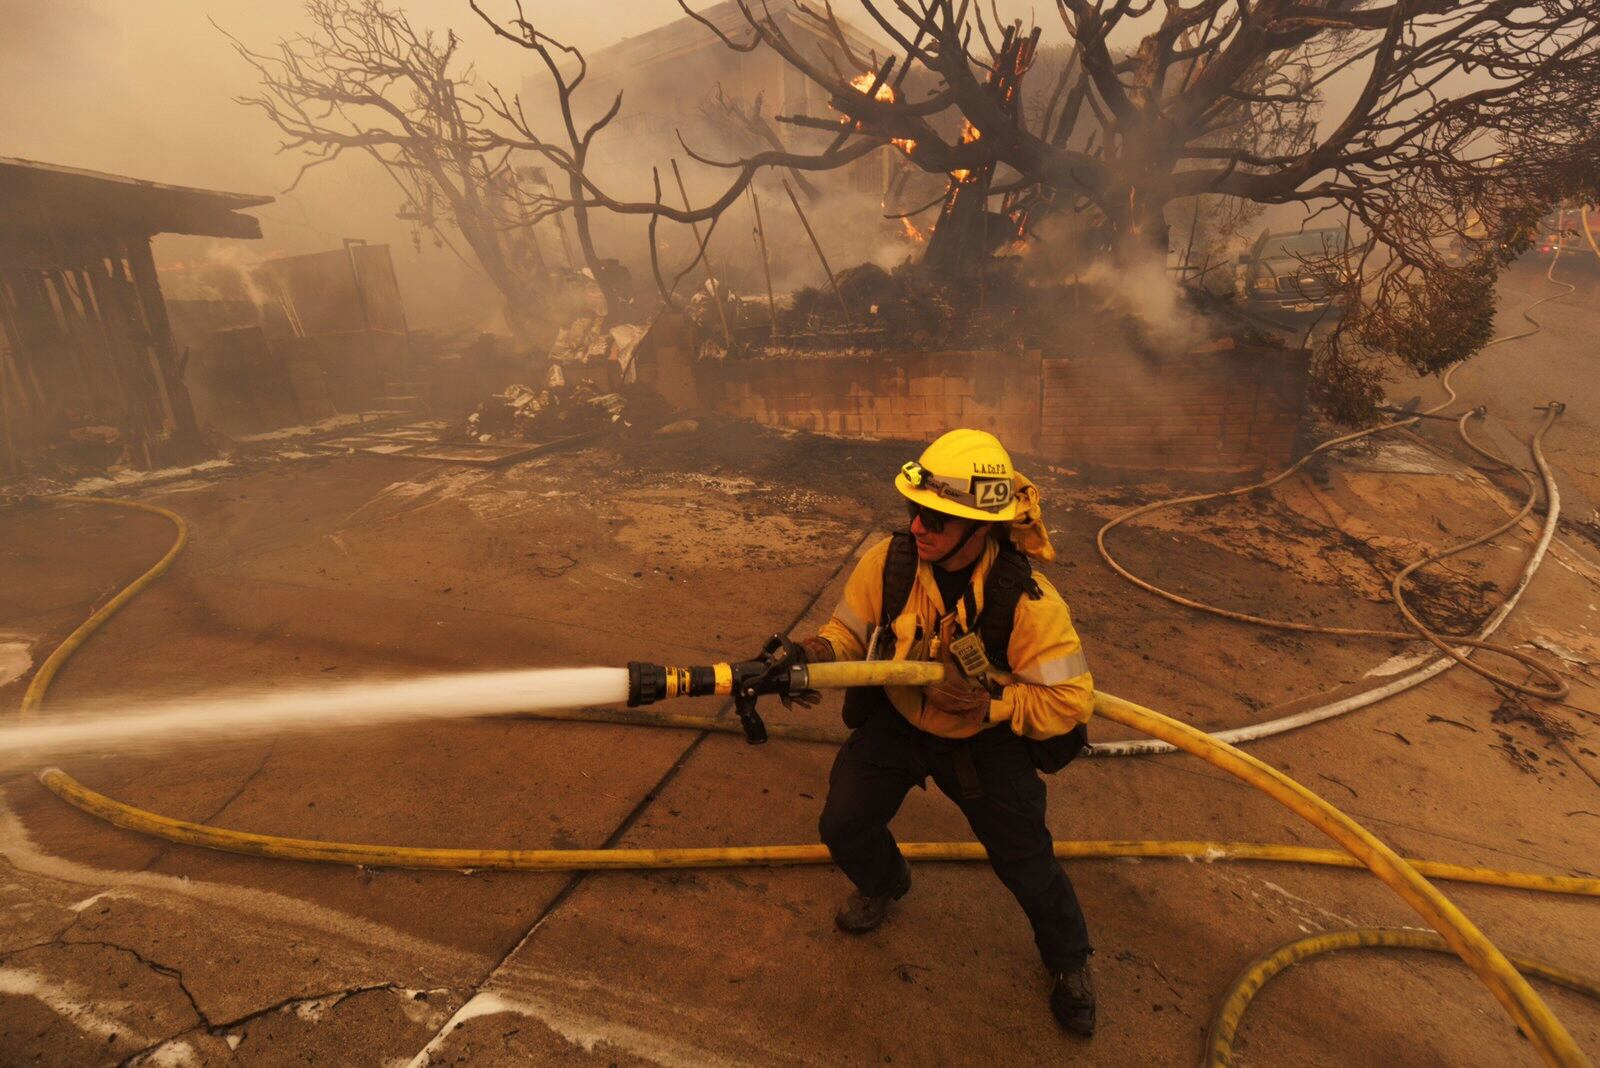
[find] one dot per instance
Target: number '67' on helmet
(965, 473)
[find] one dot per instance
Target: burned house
(86, 347)
(293, 339)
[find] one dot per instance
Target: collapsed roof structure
(84, 334)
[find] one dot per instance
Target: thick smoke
(147, 90)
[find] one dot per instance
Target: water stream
(143, 723)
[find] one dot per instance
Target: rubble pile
(590, 386)
(875, 309)
(602, 352)
(525, 414)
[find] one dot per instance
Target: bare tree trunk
(580, 223)
(1148, 229)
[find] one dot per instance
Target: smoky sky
(147, 90)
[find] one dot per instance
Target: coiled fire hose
(1557, 687)
(1554, 688)
(1230, 1013)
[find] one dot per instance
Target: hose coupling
(799, 678)
(744, 682)
(649, 683)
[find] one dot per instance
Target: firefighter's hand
(818, 650)
(804, 698)
(780, 654)
(958, 695)
(780, 651)
(783, 652)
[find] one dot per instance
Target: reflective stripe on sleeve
(846, 616)
(1056, 670)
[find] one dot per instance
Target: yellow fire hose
(1553, 687)
(410, 857)
(1225, 1022)
(1553, 1042)
(34, 695)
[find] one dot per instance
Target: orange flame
(862, 82)
(905, 145)
(912, 232)
(969, 134)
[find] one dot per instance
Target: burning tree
(1404, 118)
(365, 79)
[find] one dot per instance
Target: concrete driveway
(122, 949)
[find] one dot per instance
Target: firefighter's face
(934, 544)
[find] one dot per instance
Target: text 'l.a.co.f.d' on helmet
(965, 473)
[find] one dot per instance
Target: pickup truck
(1291, 277)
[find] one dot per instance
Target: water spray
(104, 726)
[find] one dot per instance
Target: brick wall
(884, 395)
(1215, 410)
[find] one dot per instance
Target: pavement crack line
(166, 848)
(222, 1030)
(628, 821)
(333, 996)
(60, 941)
(272, 747)
(1573, 758)
(46, 944)
(160, 969)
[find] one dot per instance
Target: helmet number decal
(991, 494)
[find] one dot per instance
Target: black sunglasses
(932, 519)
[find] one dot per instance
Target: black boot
(1072, 1000)
(860, 913)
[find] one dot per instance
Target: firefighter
(958, 585)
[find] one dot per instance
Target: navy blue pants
(998, 790)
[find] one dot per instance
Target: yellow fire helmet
(965, 473)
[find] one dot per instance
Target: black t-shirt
(952, 584)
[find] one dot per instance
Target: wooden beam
(162, 352)
(766, 260)
(832, 281)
